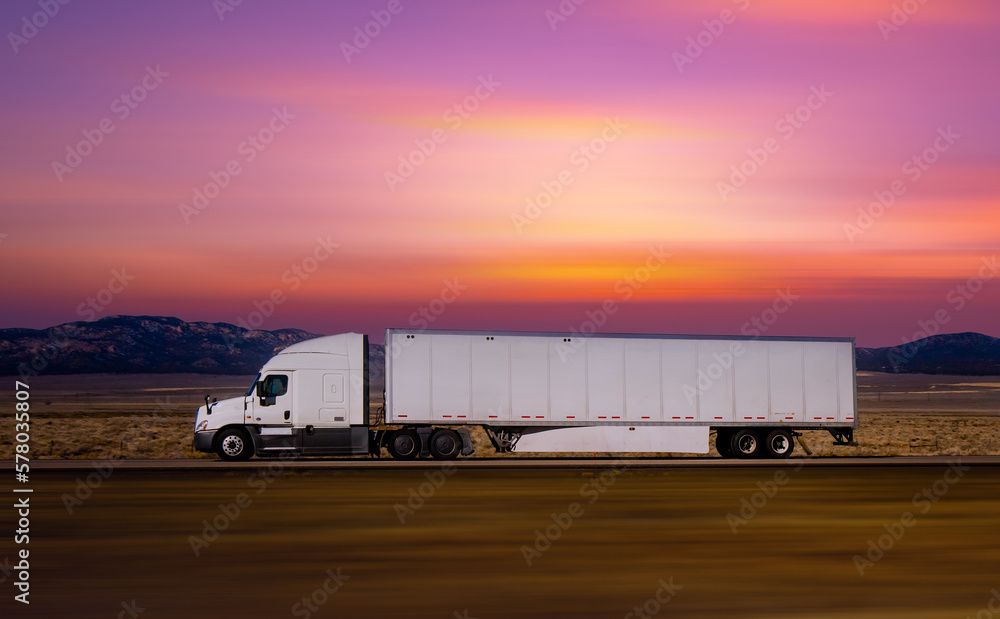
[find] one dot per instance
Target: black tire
(723, 443)
(234, 445)
(779, 444)
(404, 445)
(746, 443)
(445, 444)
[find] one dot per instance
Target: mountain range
(156, 344)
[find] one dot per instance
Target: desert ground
(152, 416)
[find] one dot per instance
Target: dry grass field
(152, 416)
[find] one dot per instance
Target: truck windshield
(250, 390)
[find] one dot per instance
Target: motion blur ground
(270, 541)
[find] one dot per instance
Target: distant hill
(970, 354)
(141, 345)
(159, 345)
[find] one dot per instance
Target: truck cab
(309, 399)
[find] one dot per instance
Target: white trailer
(542, 392)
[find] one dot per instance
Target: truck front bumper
(203, 440)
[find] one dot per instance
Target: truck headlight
(201, 425)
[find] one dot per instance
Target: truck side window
(275, 385)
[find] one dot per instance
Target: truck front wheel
(404, 445)
(233, 445)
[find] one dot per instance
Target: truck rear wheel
(404, 445)
(723, 443)
(746, 443)
(445, 444)
(234, 445)
(779, 444)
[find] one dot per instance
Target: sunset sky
(540, 164)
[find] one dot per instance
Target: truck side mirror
(260, 389)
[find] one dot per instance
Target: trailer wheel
(746, 443)
(723, 443)
(234, 445)
(779, 444)
(404, 445)
(445, 444)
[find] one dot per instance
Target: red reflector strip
(461, 416)
(618, 417)
(602, 417)
(525, 416)
(849, 418)
(539, 416)
(760, 418)
(718, 417)
(645, 417)
(401, 415)
(744, 417)
(448, 416)
(675, 417)
(493, 416)
(829, 417)
(570, 416)
(689, 417)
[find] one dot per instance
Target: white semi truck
(540, 392)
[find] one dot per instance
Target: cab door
(273, 405)
(272, 411)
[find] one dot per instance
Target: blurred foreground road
(271, 540)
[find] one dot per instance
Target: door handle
(288, 415)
